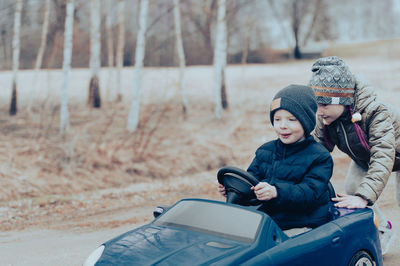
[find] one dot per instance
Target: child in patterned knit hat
(294, 170)
(351, 117)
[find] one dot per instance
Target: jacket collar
(288, 149)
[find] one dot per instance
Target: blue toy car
(207, 232)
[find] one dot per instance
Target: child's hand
(221, 190)
(265, 191)
(350, 202)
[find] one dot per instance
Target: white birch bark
(120, 46)
(224, 97)
(181, 54)
(16, 51)
(110, 50)
(94, 64)
(69, 24)
(94, 38)
(16, 39)
(133, 119)
(219, 57)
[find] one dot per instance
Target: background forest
(260, 30)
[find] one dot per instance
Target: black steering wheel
(238, 183)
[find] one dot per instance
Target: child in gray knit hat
(294, 170)
(351, 117)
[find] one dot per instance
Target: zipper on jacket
(346, 140)
(275, 164)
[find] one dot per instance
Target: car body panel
(333, 243)
(206, 232)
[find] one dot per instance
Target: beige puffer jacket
(381, 124)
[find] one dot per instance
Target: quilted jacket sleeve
(378, 123)
(382, 147)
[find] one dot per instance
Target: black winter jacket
(300, 172)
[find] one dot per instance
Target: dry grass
(100, 153)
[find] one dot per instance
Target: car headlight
(376, 222)
(94, 256)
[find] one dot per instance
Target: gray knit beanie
(332, 81)
(300, 101)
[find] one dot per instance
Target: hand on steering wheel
(238, 184)
(265, 191)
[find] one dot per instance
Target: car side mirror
(159, 210)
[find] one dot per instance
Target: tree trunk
(133, 119)
(296, 29)
(69, 24)
(120, 47)
(94, 99)
(45, 29)
(13, 105)
(110, 51)
(296, 52)
(42, 47)
(181, 55)
(224, 97)
(94, 94)
(16, 50)
(245, 52)
(220, 98)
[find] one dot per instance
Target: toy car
(207, 232)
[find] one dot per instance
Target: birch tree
(69, 24)
(43, 39)
(181, 54)
(94, 86)
(42, 47)
(16, 49)
(120, 46)
(220, 97)
(110, 49)
(133, 119)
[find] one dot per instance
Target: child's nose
(283, 124)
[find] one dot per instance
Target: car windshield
(213, 218)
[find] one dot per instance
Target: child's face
(330, 112)
(287, 127)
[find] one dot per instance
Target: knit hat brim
(328, 95)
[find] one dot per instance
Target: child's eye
(276, 119)
(293, 119)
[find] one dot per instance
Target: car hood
(151, 245)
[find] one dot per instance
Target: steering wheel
(238, 183)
